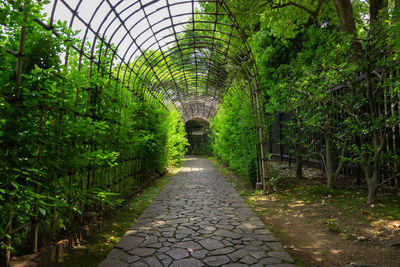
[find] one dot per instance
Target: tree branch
(341, 161)
(314, 14)
(389, 179)
(319, 6)
(290, 3)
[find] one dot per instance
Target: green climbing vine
(234, 135)
(73, 138)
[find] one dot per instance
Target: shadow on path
(198, 220)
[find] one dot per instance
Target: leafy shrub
(333, 225)
(72, 137)
(234, 137)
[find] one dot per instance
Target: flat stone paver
(198, 220)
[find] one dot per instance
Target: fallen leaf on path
(363, 238)
(292, 247)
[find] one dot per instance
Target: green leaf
(42, 211)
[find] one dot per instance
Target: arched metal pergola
(188, 55)
(191, 54)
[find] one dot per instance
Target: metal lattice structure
(185, 54)
(189, 54)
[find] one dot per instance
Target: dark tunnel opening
(199, 136)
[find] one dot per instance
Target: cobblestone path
(198, 220)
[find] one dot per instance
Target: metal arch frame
(178, 50)
(80, 50)
(96, 34)
(113, 9)
(161, 92)
(139, 46)
(232, 59)
(258, 104)
(198, 117)
(202, 112)
(215, 106)
(102, 38)
(186, 48)
(178, 65)
(186, 44)
(232, 81)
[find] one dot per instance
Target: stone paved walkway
(198, 220)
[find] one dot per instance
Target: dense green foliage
(72, 137)
(102, 242)
(234, 136)
(176, 139)
(304, 50)
(78, 132)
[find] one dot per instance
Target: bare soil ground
(321, 227)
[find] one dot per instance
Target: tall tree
(365, 27)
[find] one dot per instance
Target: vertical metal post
(35, 224)
(280, 137)
(260, 133)
(259, 161)
(261, 126)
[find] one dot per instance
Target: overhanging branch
(279, 4)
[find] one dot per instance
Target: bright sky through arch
(144, 28)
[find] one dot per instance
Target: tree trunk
(299, 162)
(334, 163)
(374, 8)
(344, 10)
(35, 224)
(371, 169)
(371, 175)
(10, 215)
(372, 183)
(299, 166)
(330, 162)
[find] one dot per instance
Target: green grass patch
(347, 201)
(101, 242)
(296, 202)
